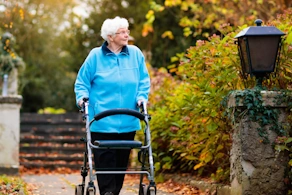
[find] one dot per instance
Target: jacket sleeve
(144, 80)
(83, 80)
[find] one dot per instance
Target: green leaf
(212, 126)
(219, 155)
(281, 147)
(157, 166)
(191, 158)
(289, 140)
(166, 159)
(289, 38)
(167, 166)
(219, 147)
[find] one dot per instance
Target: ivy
(257, 111)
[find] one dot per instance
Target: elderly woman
(113, 76)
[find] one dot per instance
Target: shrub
(189, 128)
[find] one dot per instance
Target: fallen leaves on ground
(169, 185)
(41, 170)
(13, 185)
(178, 188)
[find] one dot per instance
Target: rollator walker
(144, 155)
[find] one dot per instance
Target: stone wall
(256, 168)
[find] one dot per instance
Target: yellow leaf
(197, 166)
(146, 29)
(212, 51)
(290, 163)
(167, 34)
(149, 14)
(170, 3)
(288, 70)
(206, 157)
(260, 1)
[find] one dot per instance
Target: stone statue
(10, 63)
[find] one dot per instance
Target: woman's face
(121, 37)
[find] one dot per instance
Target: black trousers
(111, 159)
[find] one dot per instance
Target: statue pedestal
(256, 168)
(9, 134)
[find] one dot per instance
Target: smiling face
(120, 38)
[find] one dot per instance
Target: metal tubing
(122, 172)
(147, 147)
(88, 139)
(151, 162)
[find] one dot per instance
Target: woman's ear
(110, 38)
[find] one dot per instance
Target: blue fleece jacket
(113, 81)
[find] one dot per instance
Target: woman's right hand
(80, 103)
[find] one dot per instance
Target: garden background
(191, 56)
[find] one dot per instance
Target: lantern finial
(258, 22)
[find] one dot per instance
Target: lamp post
(259, 49)
(256, 167)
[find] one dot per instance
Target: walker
(144, 155)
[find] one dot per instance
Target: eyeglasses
(123, 32)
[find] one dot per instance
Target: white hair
(111, 26)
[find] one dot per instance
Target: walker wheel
(79, 190)
(151, 191)
(90, 191)
(143, 189)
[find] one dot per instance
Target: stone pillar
(9, 134)
(256, 168)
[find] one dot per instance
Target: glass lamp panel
(244, 54)
(263, 52)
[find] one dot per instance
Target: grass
(12, 185)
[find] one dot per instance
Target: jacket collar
(106, 50)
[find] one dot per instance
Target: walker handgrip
(119, 111)
(117, 144)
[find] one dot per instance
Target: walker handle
(118, 111)
(82, 109)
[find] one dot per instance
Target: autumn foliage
(189, 129)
